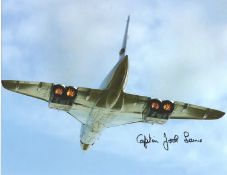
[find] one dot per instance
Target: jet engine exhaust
(71, 92)
(58, 90)
(167, 106)
(62, 97)
(155, 105)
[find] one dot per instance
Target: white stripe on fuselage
(100, 114)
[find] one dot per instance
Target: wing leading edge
(190, 111)
(135, 109)
(38, 90)
(80, 108)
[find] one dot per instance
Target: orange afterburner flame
(155, 105)
(167, 107)
(58, 91)
(70, 92)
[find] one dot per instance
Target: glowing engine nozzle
(155, 104)
(167, 106)
(71, 92)
(58, 90)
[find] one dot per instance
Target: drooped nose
(84, 146)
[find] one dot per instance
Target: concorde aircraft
(109, 105)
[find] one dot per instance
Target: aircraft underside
(109, 106)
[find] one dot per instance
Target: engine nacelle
(158, 111)
(62, 97)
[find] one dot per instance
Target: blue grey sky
(177, 50)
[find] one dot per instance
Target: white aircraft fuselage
(113, 86)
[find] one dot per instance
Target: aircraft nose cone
(84, 146)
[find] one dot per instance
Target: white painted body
(102, 113)
(112, 86)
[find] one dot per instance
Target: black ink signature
(144, 140)
(190, 140)
(167, 141)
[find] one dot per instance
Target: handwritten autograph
(143, 139)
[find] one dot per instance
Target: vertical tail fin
(123, 48)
